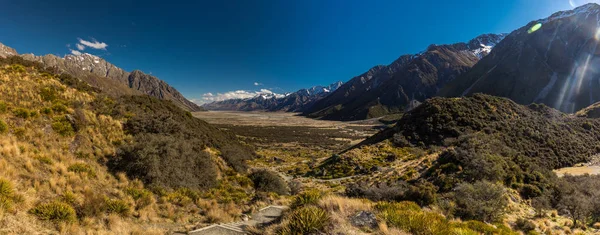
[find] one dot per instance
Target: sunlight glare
(534, 28)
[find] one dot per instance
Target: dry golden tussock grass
(37, 160)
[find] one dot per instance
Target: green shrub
(46, 160)
(310, 197)
(3, 127)
(22, 113)
(48, 93)
(397, 206)
(62, 126)
(46, 111)
(117, 206)
(6, 194)
(82, 168)
(482, 201)
(306, 220)
(525, 225)
(415, 221)
(59, 108)
(55, 211)
(69, 197)
(3, 107)
(142, 197)
(269, 181)
(16, 68)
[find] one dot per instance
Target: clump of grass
(55, 211)
(82, 168)
(310, 197)
(3, 107)
(3, 127)
(409, 217)
(117, 206)
(46, 160)
(59, 108)
(142, 197)
(46, 111)
(6, 194)
(69, 197)
(179, 198)
(62, 126)
(306, 220)
(22, 113)
(48, 94)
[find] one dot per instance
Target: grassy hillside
(77, 161)
(457, 153)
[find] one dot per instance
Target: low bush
(525, 225)
(82, 168)
(482, 201)
(142, 197)
(3, 107)
(6, 194)
(59, 108)
(55, 211)
(310, 197)
(117, 206)
(62, 126)
(306, 220)
(269, 181)
(22, 113)
(3, 127)
(408, 216)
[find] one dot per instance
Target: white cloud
(80, 47)
(239, 94)
(257, 84)
(75, 52)
(95, 44)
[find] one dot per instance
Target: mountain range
(94, 70)
(298, 101)
(404, 83)
(551, 61)
(383, 89)
(555, 64)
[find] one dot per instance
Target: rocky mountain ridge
(408, 80)
(293, 102)
(551, 61)
(95, 70)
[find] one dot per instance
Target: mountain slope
(405, 82)
(65, 146)
(96, 70)
(293, 102)
(555, 64)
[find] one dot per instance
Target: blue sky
(243, 45)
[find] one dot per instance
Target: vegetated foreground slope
(106, 76)
(538, 133)
(63, 145)
(554, 64)
(404, 83)
(473, 141)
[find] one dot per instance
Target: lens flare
(534, 28)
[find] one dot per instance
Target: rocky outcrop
(153, 86)
(6, 51)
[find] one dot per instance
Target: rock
(364, 219)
